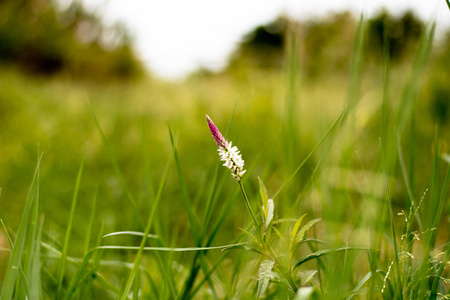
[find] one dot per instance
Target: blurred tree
(263, 47)
(39, 37)
(402, 34)
(325, 44)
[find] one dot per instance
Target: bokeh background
(59, 58)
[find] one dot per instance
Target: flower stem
(247, 203)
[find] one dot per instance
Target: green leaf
(269, 213)
(246, 247)
(294, 234)
(305, 228)
(357, 289)
(255, 240)
(323, 253)
(308, 276)
(263, 192)
(265, 269)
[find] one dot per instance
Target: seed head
(228, 153)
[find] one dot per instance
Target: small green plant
(273, 266)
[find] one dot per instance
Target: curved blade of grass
(337, 123)
(62, 265)
(14, 261)
(115, 165)
(321, 253)
(208, 275)
(167, 249)
(356, 290)
(136, 233)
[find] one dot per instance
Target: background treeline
(324, 47)
(42, 38)
(325, 44)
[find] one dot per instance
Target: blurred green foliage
(44, 39)
(249, 102)
(325, 44)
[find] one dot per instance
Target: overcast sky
(174, 37)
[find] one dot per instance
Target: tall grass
(349, 217)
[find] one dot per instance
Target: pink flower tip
(218, 138)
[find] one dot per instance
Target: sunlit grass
(347, 151)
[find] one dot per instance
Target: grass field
(116, 191)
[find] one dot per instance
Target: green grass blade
(22, 274)
(434, 287)
(394, 242)
(134, 233)
(82, 270)
(34, 223)
(119, 174)
(62, 265)
(207, 275)
(412, 86)
(433, 217)
(357, 289)
(356, 63)
(321, 253)
(36, 282)
(168, 249)
(408, 187)
(16, 255)
(187, 201)
(137, 262)
(87, 243)
(335, 125)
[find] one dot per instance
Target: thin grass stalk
(115, 165)
(62, 265)
(408, 187)
(36, 282)
(186, 198)
(87, 243)
(337, 123)
(247, 203)
(398, 278)
(434, 190)
(16, 254)
(439, 209)
(137, 261)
